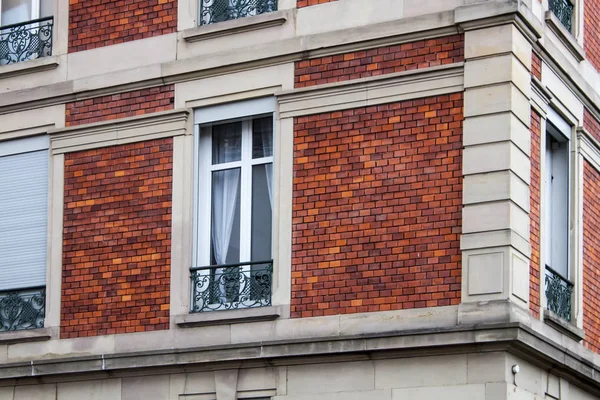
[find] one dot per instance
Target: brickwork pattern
(536, 65)
(99, 23)
(591, 124)
(128, 104)
(534, 205)
(306, 3)
(379, 61)
(591, 257)
(591, 31)
(117, 239)
(377, 206)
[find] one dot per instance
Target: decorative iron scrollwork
(212, 11)
(24, 309)
(26, 41)
(563, 9)
(228, 287)
(558, 294)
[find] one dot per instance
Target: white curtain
(225, 194)
(267, 143)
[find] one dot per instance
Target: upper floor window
(25, 30)
(212, 11)
(557, 202)
(23, 232)
(564, 11)
(235, 210)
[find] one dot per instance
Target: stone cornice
(116, 132)
(373, 90)
(512, 337)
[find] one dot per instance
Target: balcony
(559, 292)
(563, 10)
(22, 309)
(26, 41)
(233, 286)
(212, 11)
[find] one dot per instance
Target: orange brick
(139, 102)
(378, 61)
(102, 297)
(393, 243)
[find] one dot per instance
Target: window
(235, 214)
(25, 30)
(23, 232)
(556, 217)
(563, 10)
(212, 11)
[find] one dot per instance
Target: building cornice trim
(127, 130)
(589, 147)
(365, 92)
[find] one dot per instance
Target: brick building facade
(299, 199)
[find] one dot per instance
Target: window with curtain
(236, 212)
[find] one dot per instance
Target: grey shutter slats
(23, 219)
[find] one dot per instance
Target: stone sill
(235, 26)
(239, 316)
(563, 326)
(565, 36)
(29, 335)
(28, 67)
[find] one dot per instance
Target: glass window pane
(15, 11)
(262, 213)
(225, 216)
(262, 137)
(227, 143)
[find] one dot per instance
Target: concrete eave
(512, 337)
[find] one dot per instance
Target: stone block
(319, 378)
(421, 371)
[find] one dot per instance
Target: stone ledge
(28, 67)
(563, 326)
(30, 335)
(120, 131)
(228, 317)
(564, 36)
(235, 26)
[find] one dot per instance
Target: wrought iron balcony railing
(559, 292)
(212, 11)
(26, 41)
(22, 309)
(228, 287)
(563, 9)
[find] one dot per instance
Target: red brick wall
(591, 124)
(591, 31)
(536, 65)
(94, 23)
(379, 61)
(591, 257)
(306, 3)
(534, 205)
(117, 239)
(128, 104)
(377, 206)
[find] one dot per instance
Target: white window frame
(244, 111)
(206, 168)
(561, 127)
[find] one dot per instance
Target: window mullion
(246, 192)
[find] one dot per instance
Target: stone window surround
(555, 110)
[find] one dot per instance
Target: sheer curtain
(225, 188)
(225, 194)
(265, 126)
